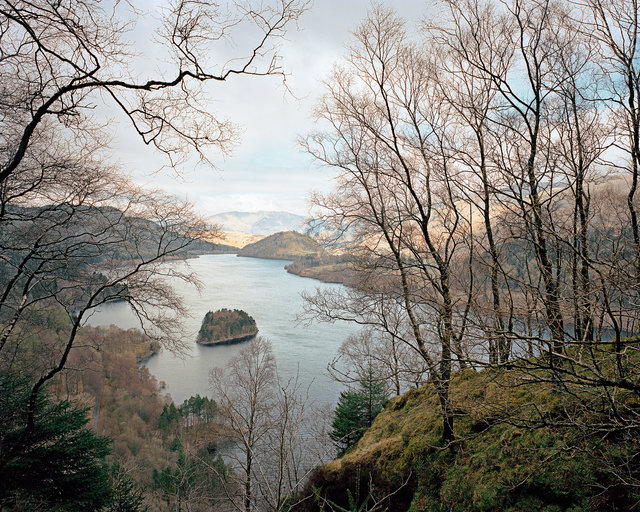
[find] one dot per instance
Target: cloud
(267, 169)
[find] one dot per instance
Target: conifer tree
(58, 463)
(356, 411)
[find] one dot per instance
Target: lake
(267, 292)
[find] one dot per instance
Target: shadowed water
(267, 292)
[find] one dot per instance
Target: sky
(267, 170)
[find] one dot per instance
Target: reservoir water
(267, 292)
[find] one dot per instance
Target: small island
(226, 326)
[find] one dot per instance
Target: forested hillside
(110, 422)
(324, 266)
(287, 245)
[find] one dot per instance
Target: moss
(522, 464)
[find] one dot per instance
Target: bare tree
(59, 58)
(74, 231)
(389, 137)
(382, 355)
(473, 183)
(70, 257)
(471, 94)
(265, 420)
(615, 25)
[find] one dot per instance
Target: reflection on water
(268, 293)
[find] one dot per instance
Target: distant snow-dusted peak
(260, 222)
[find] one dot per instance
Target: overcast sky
(267, 170)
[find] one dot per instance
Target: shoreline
(230, 341)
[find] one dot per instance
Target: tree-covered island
(226, 326)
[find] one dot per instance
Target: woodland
(486, 204)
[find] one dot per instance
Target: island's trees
(224, 326)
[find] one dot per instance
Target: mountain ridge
(261, 222)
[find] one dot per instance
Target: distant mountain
(260, 222)
(238, 239)
(287, 245)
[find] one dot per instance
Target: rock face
(287, 245)
(226, 326)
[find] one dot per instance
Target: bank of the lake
(272, 296)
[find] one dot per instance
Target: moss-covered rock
(512, 453)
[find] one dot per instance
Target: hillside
(325, 267)
(519, 448)
(287, 245)
(259, 223)
(89, 226)
(310, 259)
(121, 400)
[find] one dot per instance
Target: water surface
(267, 292)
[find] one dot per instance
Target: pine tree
(347, 426)
(127, 495)
(356, 411)
(192, 479)
(374, 397)
(57, 463)
(168, 416)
